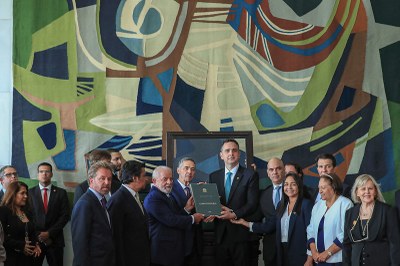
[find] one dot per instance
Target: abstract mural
(306, 77)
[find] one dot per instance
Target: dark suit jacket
(193, 237)
(397, 202)
(57, 215)
(14, 237)
(1, 194)
(92, 241)
(167, 226)
(131, 232)
(297, 235)
(243, 200)
(83, 187)
(269, 239)
(383, 244)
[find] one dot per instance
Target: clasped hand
(32, 250)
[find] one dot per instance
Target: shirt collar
(42, 187)
(233, 170)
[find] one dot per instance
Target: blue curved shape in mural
(113, 46)
(25, 112)
(268, 116)
(51, 63)
(48, 134)
(65, 160)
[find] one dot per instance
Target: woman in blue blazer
(290, 223)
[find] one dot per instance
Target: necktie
(103, 202)
(138, 201)
(45, 199)
(277, 196)
(228, 185)
(187, 192)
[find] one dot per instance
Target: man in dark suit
(397, 202)
(8, 174)
(166, 221)
(51, 211)
(117, 161)
(238, 190)
(269, 202)
(181, 192)
(96, 156)
(129, 219)
(91, 230)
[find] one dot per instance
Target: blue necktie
(277, 196)
(228, 185)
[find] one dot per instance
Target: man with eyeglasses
(8, 174)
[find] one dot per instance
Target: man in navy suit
(238, 190)
(91, 231)
(397, 202)
(168, 224)
(129, 218)
(269, 202)
(181, 192)
(51, 211)
(96, 156)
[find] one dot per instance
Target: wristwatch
(330, 253)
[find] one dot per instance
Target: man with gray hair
(167, 222)
(91, 230)
(8, 174)
(181, 191)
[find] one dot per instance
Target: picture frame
(204, 149)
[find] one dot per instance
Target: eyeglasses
(8, 175)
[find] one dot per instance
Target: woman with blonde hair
(372, 235)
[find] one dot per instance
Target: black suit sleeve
(393, 234)
(252, 197)
(63, 214)
(78, 193)
(346, 252)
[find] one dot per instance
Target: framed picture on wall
(204, 148)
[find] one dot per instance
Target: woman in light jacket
(326, 229)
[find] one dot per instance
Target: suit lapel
(38, 198)
(221, 185)
(236, 180)
(292, 222)
(52, 200)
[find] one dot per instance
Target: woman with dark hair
(297, 169)
(326, 229)
(19, 230)
(372, 234)
(293, 217)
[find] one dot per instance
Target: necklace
(364, 229)
(21, 216)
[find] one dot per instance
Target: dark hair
(334, 181)
(326, 156)
(131, 169)
(298, 168)
(99, 155)
(4, 168)
(45, 164)
(285, 199)
(112, 150)
(10, 195)
(230, 140)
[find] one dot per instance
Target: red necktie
(45, 199)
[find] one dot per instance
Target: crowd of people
(333, 224)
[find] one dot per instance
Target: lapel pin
(237, 178)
